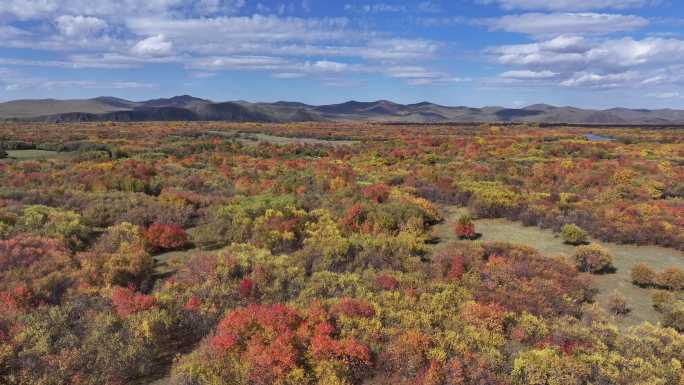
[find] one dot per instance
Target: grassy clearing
(549, 243)
(164, 262)
(35, 154)
(252, 138)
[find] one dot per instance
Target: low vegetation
(162, 252)
(465, 228)
(593, 259)
(642, 275)
(574, 235)
(671, 278)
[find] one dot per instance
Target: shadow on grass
(607, 271)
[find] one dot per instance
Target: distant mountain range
(189, 108)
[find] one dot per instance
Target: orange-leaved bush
(376, 192)
(161, 236)
(273, 341)
(127, 302)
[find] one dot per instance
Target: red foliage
(454, 373)
(465, 229)
(193, 304)
(274, 340)
(24, 251)
(487, 316)
(353, 218)
(433, 374)
(376, 192)
(282, 224)
(161, 236)
(523, 281)
(348, 350)
(18, 299)
(449, 267)
(457, 268)
(271, 361)
(247, 288)
(352, 307)
(127, 302)
(240, 324)
(407, 353)
(386, 282)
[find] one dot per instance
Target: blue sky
(586, 53)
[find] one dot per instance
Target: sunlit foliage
(150, 251)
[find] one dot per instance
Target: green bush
(56, 223)
(573, 234)
(593, 258)
(3, 153)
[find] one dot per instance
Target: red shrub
(282, 224)
(376, 192)
(386, 282)
(41, 265)
(24, 251)
(521, 280)
(247, 288)
(18, 299)
(348, 350)
(239, 325)
(353, 218)
(465, 228)
(352, 307)
(127, 302)
(489, 316)
(165, 237)
(271, 360)
(433, 374)
(454, 373)
(193, 304)
(456, 269)
(407, 353)
(274, 340)
(449, 266)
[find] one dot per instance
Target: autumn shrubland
(316, 262)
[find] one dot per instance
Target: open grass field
(164, 263)
(257, 137)
(36, 154)
(550, 244)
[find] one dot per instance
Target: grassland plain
(551, 244)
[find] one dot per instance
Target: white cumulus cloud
(79, 25)
(153, 46)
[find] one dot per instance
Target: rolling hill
(190, 108)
